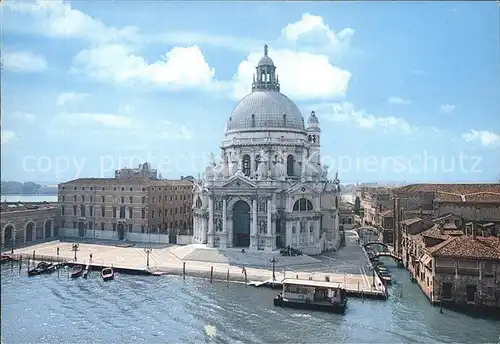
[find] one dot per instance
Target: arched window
(289, 165)
(199, 203)
(343, 220)
(303, 204)
(284, 120)
(253, 121)
(349, 221)
(246, 165)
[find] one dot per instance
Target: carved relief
(262, 224)
(262, 204)
(218, 224)
(218, 203)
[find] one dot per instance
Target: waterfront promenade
(200, 261)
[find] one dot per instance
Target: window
(123, 189)
(74, 224)
(103, 188)
(74, 188)
(114, 188)
(82, 211)
(246, 165)
(343, 220)
(142, 228)
(165, 199)
(62, 210)
(143, 213)
(91, 188)
(289, 165)
(471, 293)
(131, 199)
(123, 199)
(64, 188)
(143, 189)
(170, 198)
(114, 212)
(144, 200)
(91, 211)
(83, 198)
(122, 212)
(74, 210)
(130, 226)
(152, 214)
(199, 204)
(303, 205)
(102, 226)
(102, 199)
(74, 198)
(130, 212)
(457, 223)
(175, 212)
(130, 189)
(63, 198)
(447, 291)
(83, 188)
(103, 211)
(253, 121)
(349, 221)
(159, 213)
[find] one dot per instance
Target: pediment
(301, 188)
(239, 182)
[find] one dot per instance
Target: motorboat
(107, 274)
(77, 271)
(41, 268)
(312, 295)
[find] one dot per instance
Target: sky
(404, 91)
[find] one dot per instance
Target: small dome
(313, 119)
(265, 61)
(265, 110)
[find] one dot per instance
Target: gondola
(41, 268)
(77, 271)
(107, 274)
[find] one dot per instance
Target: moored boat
(107, 274)
(41, 268)
(77, 271)
(5, 258)
(312, 295)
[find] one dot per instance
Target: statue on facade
(279, 167)
(262, 167)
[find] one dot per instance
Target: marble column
(223, 242)
(297, 234)
(253, 236)
(269, 246)
(210, 236)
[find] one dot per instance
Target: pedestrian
(91, 257)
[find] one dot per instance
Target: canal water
(167, 309)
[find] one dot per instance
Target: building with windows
(130, 206)
(268, 189)
(27, 223)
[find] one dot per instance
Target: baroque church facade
(269, 189)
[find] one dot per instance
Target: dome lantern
(265, 78)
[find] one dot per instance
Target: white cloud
(180, 67)
(7, 136)
(311, 31)
(103, 124)
(447, 108)
(398, 101)
(57, 19)
(486, 138)
(302, 75)
(70, 97)
(23, 61)
(24, 116)
(346, 112)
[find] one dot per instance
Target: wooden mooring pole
(211, 274)
(184, 270)
(20, 262)
(227, 278)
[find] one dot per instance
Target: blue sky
(404, 91)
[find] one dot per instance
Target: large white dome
(265, 110)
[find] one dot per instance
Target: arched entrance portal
(121, 231)
(241, 224)
(81, 229)
(7, 236)
(29, 232)
(48, 228)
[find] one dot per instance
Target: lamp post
(274, 261)
(148, 251)
(75, 248)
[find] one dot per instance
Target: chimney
(441, 227)
(420, 211)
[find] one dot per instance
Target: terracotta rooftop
(468, 247)
(435, 233)
(387, 213)
(125, 181)
(457, 193)
(19, 206)
(412, 221)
